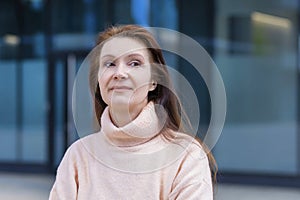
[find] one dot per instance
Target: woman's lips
(120, 88)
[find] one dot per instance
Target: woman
(141, 151)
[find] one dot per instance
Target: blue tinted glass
(34, 135)
(8, 106)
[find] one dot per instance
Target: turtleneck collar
(142, 129)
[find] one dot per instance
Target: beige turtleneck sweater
(133, 162)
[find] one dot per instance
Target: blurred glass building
(255, 45)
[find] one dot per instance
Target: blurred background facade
(255, 45)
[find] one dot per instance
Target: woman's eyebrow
(108, 55)
(135, 54)
(128, 55)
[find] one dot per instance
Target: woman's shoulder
(82, 144)
(191, 144)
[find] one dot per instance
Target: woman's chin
(120, 103)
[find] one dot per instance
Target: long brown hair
(163, 94)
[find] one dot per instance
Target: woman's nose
(121, 72)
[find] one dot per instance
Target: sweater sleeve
(66, 183)
(193, 179)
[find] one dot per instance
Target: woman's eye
(134, 63)
(109, 64)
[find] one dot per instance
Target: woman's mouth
(120, 88)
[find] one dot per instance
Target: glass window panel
(256, 55)
(34, 137)
(8, 106)
(168, 18)
(140, 12)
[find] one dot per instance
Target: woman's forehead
(121, 46)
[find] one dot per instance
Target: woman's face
(124, 73)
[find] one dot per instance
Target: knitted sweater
(133, 162)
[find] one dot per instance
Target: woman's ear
(153, 86)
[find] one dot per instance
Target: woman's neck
(121, 115)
